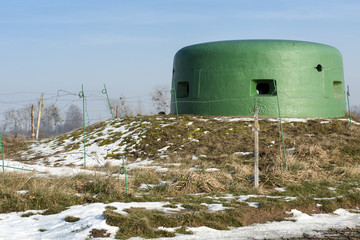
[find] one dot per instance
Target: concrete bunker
(229, 77)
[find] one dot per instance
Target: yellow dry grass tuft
(200, 182)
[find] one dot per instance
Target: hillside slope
(200, 168)
(315, 148)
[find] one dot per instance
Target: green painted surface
(222, 78)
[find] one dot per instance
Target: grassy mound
(195, 163)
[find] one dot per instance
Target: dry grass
(145, 176)
(202, 182)
(13, 144)
(318, 156)
(40, 193)
(20, 192)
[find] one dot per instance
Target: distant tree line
(18, 121)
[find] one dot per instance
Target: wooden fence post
(40, 109)
(116, 111)
(32, 122)
(256, 129)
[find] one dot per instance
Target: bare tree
(51, 119)
(355, 110)
(73, 118)
(122, 106)
(161, 98)
(17, 120)
(138, 109)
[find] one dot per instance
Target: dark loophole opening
(262, 88)
(182, 89)
(319, 68)
(338, 89)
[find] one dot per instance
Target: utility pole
(40, 109)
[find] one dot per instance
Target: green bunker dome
(228, 78)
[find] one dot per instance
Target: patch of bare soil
(254, 215)
(97, 233)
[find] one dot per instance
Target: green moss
(71, 219)
(183, 230)
(317, 189)
(110, 208)
(54, 210)
(144, 223)
(194, 207)
(170, 205)
(114, 155)
(140, 223)
(28, 214)
(105, 141)
(73, 146)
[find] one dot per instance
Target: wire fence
(63, 99)
(98, 105)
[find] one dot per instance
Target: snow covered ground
(13, 226)
(37, 226)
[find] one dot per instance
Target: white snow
(172, 164)
(242, 153)
(194, 157)
(22, 192)
(54, 160)
(233, 119)
(101, 148)
(162, 150)
(37, 226)
(53, 153)
(193, 139)
(41, 170)
(348, 120)
(330, 198)
(13, 226)
(253, 204)
(280, 189)
(211, 169)
(214, 207)
(289, 120)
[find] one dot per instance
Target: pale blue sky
(47, 45)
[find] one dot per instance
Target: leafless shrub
(121, 107)
(73, 118)
(161, 98)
